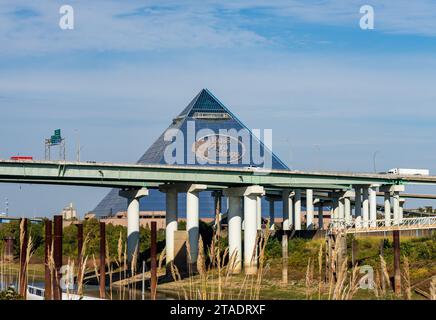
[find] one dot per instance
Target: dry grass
(216, 279)
(385, 282)
(342, 283)
(94, 264)
(406, 277)
(354, 283)
(23, 273)
(82, 266)
(433, 288)
(69, 275)
(109, 268)
(309, 279)
(52, 269)
(320, 264)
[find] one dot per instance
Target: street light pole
(78, 146)
(373, 158)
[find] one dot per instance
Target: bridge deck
(145, 175)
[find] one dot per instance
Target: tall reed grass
(217, 272)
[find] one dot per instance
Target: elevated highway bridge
(342, 191)
(147, 175)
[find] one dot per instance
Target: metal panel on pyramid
(204, 113)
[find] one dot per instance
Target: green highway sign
(56, 138)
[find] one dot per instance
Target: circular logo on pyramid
(218, 148)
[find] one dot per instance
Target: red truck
(21, 158)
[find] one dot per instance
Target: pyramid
(204, 112)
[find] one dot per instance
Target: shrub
(273, 248)
(10, 294)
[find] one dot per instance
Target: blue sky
(334, 94)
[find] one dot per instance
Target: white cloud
(400, 16)
(133, 26)
(116, 26)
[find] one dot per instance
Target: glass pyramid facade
(204, 114)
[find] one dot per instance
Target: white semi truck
(410, 172)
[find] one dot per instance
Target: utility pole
(397, 270)
(78, 146)
(153, 260)
(22, 284)
(143, 281)
(373, 159)
(47, 252)
(57, 256)
(102, 260)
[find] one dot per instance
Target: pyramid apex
(207, 91)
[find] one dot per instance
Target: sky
(336, 96)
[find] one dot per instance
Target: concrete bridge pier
(297, 209)
(288, 206)
(235, 229)
(320, 216)
(357, 201)
(271, 214)
(251, 195)
(347, 206)
(341, 207)
(387, 196)
(287, 215)
(192, 221)
(235, 234)
(259, 212)
(133, 196)
(309, 209)
(394, 191)
(373, 205)
(334, 214)
(396, 209)
(401, 210)
(171, 222)
(365, 206)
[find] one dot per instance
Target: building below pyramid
(201, 125)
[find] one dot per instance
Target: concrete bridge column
(297, 209)
(171, 217)
(259, 212)
(235, 232)
(133, 196)
(309, 209)
(387, 208)
(341, 208)
(287, 209)
(250, 232)
(320, 216)
(396, 205)
(192, 221)
(287, 215)
(271, 214)
(357, 201)
(365, 206)
(401, 211)
(335, 210)
(251, 195)
(372, 206)
(347, 207)
(395, 191)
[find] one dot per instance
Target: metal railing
(36, 290)
(359, 225)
